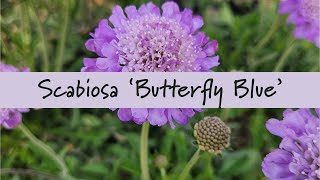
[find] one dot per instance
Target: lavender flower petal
(304, 14)
(300, 146)
(11, 118)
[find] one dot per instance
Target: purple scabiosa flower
(148, 40)
(298, 156)
(305, 14)
(10, 118)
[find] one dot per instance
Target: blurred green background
(50, 35)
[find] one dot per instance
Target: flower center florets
(153, 43)
(310, 9)
(306, 163)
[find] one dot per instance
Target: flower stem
(46, 150)
(269, 34)
(144, 151)
(62, 42)
(284, 57)
(262, 42)
(163, 174)
(186, 171)
(44, 47)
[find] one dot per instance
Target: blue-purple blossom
(11, 117)
(298, 156)
(150, 40)
(305, 15)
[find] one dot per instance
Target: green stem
(225, 114)
(262, 42)
(186, 171)
(45, 66)
(269, 34)
(46, 150)
(163, 174)
(209, 164)
(284, 57)
(316, 68)
(144, 151)
(62, 42)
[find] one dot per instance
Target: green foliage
(93, 142)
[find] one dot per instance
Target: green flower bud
(212, 135)
(161, 161)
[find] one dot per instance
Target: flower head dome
(148, 40)
(305, 14)
(212, 135)
(10, 118)
(299, 153)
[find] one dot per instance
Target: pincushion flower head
(305, 15)
(298, 156)
(148, 40)
(10, 118)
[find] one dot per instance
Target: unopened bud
(212, 134)
(161, 161)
